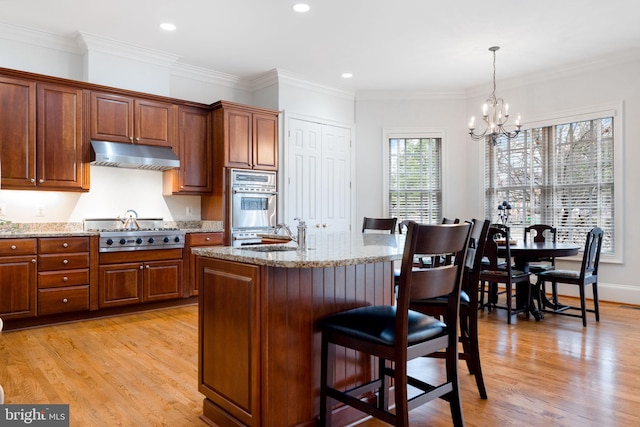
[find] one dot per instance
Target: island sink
(269, 248)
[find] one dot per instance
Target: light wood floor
(141, 370)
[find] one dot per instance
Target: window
(414, 179)
(561, 175)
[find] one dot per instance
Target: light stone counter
(324, 250)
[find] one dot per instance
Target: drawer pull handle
(65, 279)
(64, 300)
(207, 238)
(141, 267)
(65, 245)
(65, 261)
(33, 260)
(14, 247)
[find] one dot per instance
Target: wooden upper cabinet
(265, 141)
(119, 118)
(59, 148)
(17, 132)
(47, 153)
(194, 150)
(246, 137)
(153, 123)
(238, 124)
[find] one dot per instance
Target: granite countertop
(326, 249)
(10, 230)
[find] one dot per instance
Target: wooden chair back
(540, 233)
(445, 241)
(380, 224)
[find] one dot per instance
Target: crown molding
(263, 80)
(39, 38)
(566, 71)
(408, 95)
(93, 43)
(210, 76)
(296, 80)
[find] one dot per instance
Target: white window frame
(615, 110)
(407, 133)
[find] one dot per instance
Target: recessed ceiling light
(346, 75)
(167, 26)
(301, 7)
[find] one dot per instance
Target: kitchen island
(259, 347)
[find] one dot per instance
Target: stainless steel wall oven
(253, 205)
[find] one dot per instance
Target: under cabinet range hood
(133, 156)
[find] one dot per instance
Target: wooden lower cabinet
(259, 345)
(229, 374)
(193, 240)
(17, 287)
(18, 278)
(125, 283)
(63, 275)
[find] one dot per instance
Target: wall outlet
(3, 209)
(189, 211)
(40, 210)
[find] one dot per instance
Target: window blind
(415, 182)
(559, 175)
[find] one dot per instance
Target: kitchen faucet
(287, 230)
(301, 239)
(302, 234)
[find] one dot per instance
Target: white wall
(378, 111)
(612, 81)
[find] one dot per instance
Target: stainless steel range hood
(133, 156)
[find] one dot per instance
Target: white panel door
(317, 175)
(336, 182)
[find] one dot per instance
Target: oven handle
(263, 193)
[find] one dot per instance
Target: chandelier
(495, 114)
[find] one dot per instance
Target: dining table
(524, 253)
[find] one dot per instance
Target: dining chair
(494, 274)
(403, 226)
(468, 304)
(541, 233)
(395, 334)
(379, 224)
(587, 275)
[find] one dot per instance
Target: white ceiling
(386, 44)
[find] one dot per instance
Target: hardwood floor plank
(141, 370)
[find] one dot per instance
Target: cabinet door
(17, 287)
(162, 280)
(238, 140)
(229, 368)
(59, 137)
(194, 149)
(121, 284)
(111, 117)
(17, 132)
(195, 240)
(153, 123)
(265, 141)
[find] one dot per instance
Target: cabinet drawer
(63, 300)
(56, 245)
(57, 279)
(10, 247)
(63, 261)
(206, 239)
